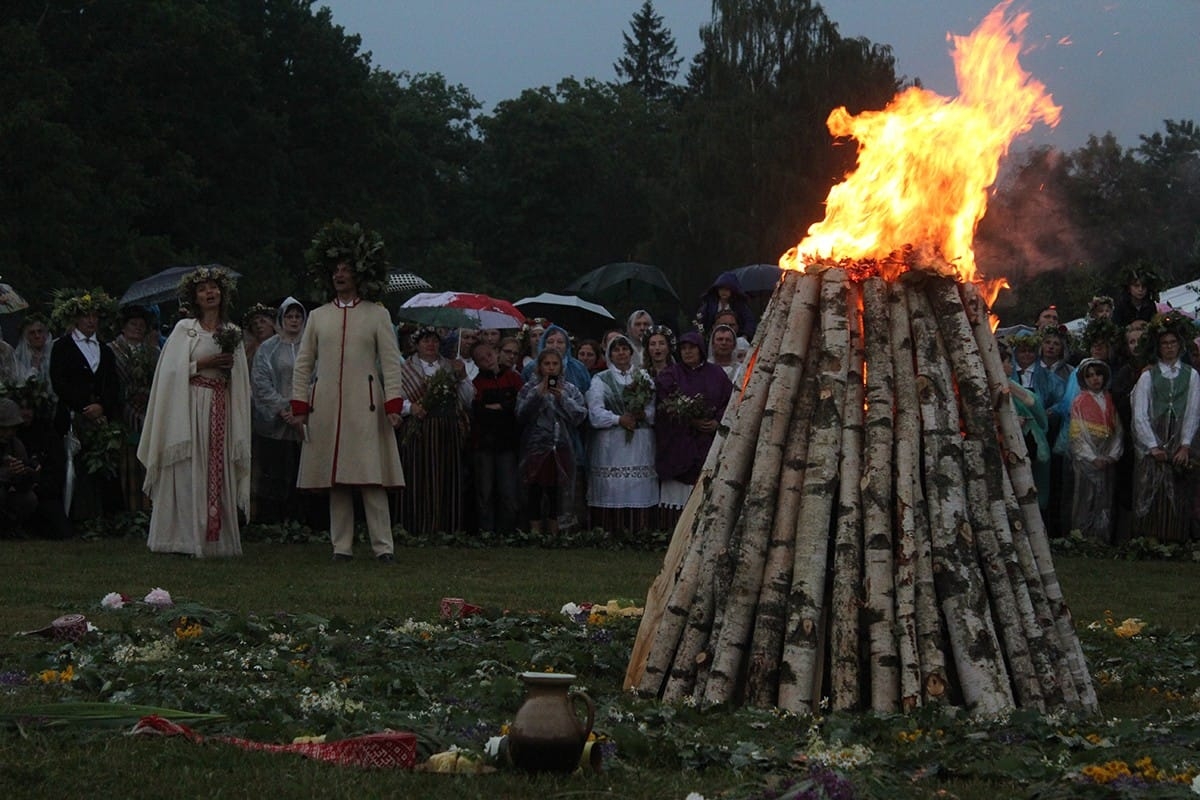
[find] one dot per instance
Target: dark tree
(649, 64)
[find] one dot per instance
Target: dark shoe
(342, 557)
(387, 558)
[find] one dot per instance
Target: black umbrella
(625, 283)
(758, 278)
(162, 286)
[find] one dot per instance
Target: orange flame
(925, 162)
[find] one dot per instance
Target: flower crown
(661, 330)
(258, 309)
(1143, 272)
(1172, 321)
(214, 273)
(1031, 339)
(70, 304)
(1097, 301)
(1100, 330)
(362, 249)
(424, 330)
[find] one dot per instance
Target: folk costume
(346, 378)
(195, 446)
(84, 372)
(1095, 433)
(620, 463)
(1166, 414)
(432, 449)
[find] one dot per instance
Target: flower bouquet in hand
(685, 407)
(228, 338)
(636, 396)
(440, 398)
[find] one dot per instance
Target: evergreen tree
(649, 64)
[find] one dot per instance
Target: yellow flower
(1129, 628)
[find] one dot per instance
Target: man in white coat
(350, 407)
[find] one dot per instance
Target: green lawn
(455, 684)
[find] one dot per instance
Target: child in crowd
(1097, 441)
(549, 408)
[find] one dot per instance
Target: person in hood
(726, 294)
(277, 434)
(691, 395)
(1097, 441)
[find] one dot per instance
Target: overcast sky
(1113, 65)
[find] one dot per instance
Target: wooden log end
(935, 686)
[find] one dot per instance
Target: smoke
(1028, 227)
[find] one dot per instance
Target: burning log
(865, 531)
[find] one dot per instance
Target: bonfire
(866, 529)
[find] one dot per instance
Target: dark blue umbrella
(758, 278)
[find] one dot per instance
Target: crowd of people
(1109, 422)
(333, 414)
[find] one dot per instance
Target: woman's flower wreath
(1143, 271)
(211, 272)
(1031, 339)
(1173, 321)
(660, 330)
(258, 310)
(1100, 329)
(70, 304)
(363, 249)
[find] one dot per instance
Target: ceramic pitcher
(547, 735)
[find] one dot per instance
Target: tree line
(138, 135)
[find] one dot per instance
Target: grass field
(661, 752)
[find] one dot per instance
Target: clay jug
(546, 735)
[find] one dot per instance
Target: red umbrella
(489, 312)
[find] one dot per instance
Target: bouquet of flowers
(100, 446)
(441, 393)
(685, 407)
(636, 396)
(440, 398)
(228, 337)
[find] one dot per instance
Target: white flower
(1196, 785)
(694, 796)
(159, 598)
(571, 610)
(113, 600)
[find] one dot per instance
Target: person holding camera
(549, 409)
(18, 473)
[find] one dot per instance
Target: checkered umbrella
(399, 281)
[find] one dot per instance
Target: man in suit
(83, 373)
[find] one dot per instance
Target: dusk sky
(1113, 65)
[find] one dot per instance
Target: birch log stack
(866, 530)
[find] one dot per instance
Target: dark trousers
(496, 498)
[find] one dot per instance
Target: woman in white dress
(196, 441)
(622, 482)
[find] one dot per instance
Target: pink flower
(159, 598)
(114, 600)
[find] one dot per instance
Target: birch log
(879, 571)
(919, 636)
(846, 581)
(684, 629)
(806, 599)
(982, 675)
(766, 649)
(1021, 475)
(731, 641)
